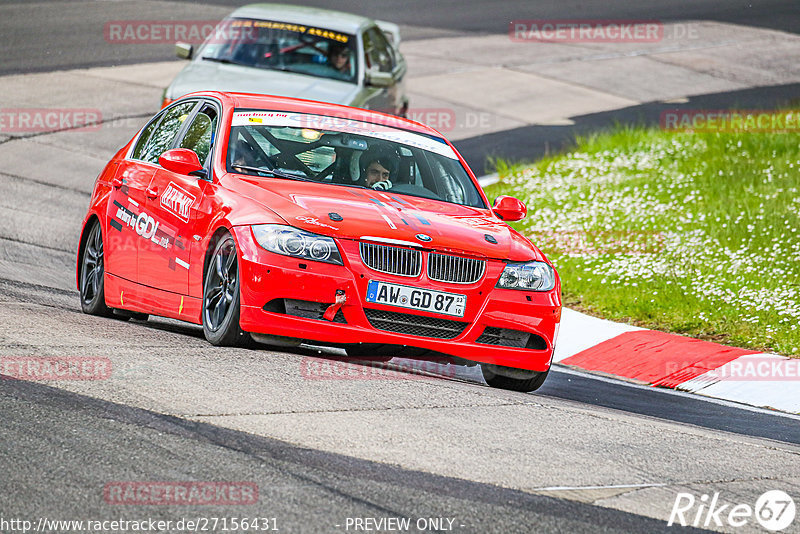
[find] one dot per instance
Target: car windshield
(283, 46)
(348, 153)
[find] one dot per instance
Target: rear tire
(221, 302)
(519, 382)
(91, 278)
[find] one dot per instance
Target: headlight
(532, 276)
(290, 241)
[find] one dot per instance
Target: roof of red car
(281, 103)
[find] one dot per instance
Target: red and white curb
(678, 362)
(661, 360)
(658, 359)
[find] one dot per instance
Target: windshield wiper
(274, 172)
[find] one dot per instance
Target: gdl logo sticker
(774, 510)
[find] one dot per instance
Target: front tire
(524, 381)
(91, 280)
(221, 302)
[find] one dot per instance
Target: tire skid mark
(115, 118)
(46, 184)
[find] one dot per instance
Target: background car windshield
(284, 46)
(346, 152)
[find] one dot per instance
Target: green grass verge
(687, 232)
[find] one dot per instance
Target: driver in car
(339, 59)
(378, 166)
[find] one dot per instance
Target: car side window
(162, 137)
(142, 142)
(200, 134)
(379, 54)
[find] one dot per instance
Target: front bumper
(266, 276)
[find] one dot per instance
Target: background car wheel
(91, 287)
(221, 297)
(513, 379)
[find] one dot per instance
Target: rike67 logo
(774, 511)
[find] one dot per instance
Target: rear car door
(173, 201)
(124, 204)
(127, 220)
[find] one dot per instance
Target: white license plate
(416, 298)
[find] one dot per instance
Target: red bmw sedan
(265, 218)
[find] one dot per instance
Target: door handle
(151, 192)
(116, 183)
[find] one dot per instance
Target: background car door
(173, 200)
(379, 56)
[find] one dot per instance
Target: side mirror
(377, 78)
(509, 208)
(184, 50)
(181, 161)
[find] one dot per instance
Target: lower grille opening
(511, 338)
(303, 308)
(415, 325)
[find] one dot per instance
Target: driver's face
(339, 59)
(376, 173)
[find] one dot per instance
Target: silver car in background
(300, 52)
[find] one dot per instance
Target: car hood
(213, 76)
(389, 217)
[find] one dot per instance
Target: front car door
(380, 57)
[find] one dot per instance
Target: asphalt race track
(306, 490)
(73, 38)
(583, 454)
(43, 41)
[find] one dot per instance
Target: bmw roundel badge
(424, 237)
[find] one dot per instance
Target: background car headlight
(290, 241)
(532, 276)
